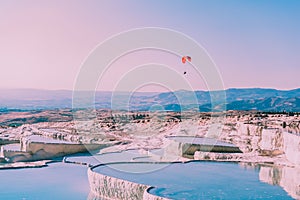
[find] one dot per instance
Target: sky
(254, 43)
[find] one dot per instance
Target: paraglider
(184, 59)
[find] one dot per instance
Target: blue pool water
(193, 180)
(95, 159)
(57, 181)
(199, 180)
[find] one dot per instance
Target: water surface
(199, 180)
(57, 181)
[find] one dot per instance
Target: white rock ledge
(107, 187)
(32, 151)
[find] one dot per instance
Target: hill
(236, 99)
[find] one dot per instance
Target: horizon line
(203, 90)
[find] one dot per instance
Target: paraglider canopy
(186, 58)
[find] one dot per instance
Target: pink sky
(43, 43)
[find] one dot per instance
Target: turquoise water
(57, 181)
(193, 180)
(200, 180)
(122, 156)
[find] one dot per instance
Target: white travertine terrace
(115, 188)
(261, 140)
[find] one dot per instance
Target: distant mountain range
(236, 99)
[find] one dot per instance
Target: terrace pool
(57, 181)
(192, 180)
(197, 180)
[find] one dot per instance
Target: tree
(283, 124)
